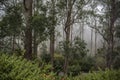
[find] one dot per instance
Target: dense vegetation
(17, 68)
(46, 39)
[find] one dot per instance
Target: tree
(71, 12)
(28, 30)
(39, 25)
(78, 58)
(11, 27)
(107, 31)
(52, 31)
(69, 5)
(111, 17)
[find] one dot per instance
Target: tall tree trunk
(71, 33)
(82, 30)
(35, 43)
(52, 35)
(67, 32)
(111, 34)
(28, 31)
(52, 43)
(91, 41)
(13, 43)
(95, 37)
(67, 51)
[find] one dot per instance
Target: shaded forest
(45, 39)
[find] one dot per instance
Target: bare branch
(99, 32)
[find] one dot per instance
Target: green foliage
(78, 48)
(87, 64)
(78, 59)
(102, 75)
(61, 4)
(11, 23)
(45, 57)
(39, 25)
(10, 27)
(58, 60)
(100, 59)
(58, 63)
(78, 55)
(17, 68)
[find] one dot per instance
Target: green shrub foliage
(100, 75)
(17, 68)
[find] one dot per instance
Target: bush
(58, 63)
(100, 75)
(17, 68)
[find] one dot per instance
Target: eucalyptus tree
(70, 11)
(27, 5)
(52, 32)
(39, 24)
(52, 23)
(107, 25)
(111, 15)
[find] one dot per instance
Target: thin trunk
(18, 41)
(95, 38)
(91, 41)
(67, 51)
(82, 30)
(28, 31)
(35, 45)
(13, 43)
(63, 34)
(67, 32)
(71, 32)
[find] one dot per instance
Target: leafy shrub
(100, 75)
(17, 68)
(45, 57)
(78, 58)
(58, 63)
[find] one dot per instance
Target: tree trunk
(52, 35)
(95, 37)
(66, 63)
(35, 44)
(67, 32)
(82, 30)
(13, 43)
(91, 41)
(28, 31)
(111, 35)
(52, 43)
